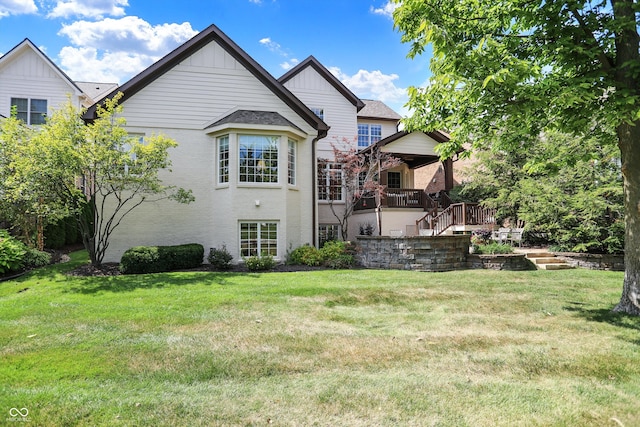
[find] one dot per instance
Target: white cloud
(88, 8)
(87, 64)
(113, 50)
(255, 1)
(17, 7)
(372, 84)
(276, 48)
(386, 10)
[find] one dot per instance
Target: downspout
(314, 203)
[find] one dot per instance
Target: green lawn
(327, 348)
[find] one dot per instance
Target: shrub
(481, 236)
(220, 258)
(55, 235)
(157, 259)
(12, 253)
(493, 248)
(337, 254)
(36, 259)
(260, 263)
(366, 229)
(305, 255)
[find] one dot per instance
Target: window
(368, 134)
(258, 239)
(258, 158)
(393, 180)
(329, 181)
(30, 111)
(327, 233)
(223, 159)
(291, 162)
(318, 112)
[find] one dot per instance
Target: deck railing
(399, 198)
(456, 214)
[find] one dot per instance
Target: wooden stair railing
(457, 214)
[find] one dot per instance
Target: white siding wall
(179, 104)
(340, 114)
(414, 143)
(29, 76)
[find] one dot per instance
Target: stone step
(531, 255)
(556, 266)
(547, 260)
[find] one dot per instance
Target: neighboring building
(32, 83)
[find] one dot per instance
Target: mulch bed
(112, 269)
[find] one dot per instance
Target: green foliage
(55, 235)
(36, 259)
(305, 255)
(12, 253)
(493, 248)
(156, 259)
(260, 263)
(338, 254)
(220, 258)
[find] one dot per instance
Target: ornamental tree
(94, 167)
(359, 175)
(503, 71)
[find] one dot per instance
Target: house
(249, 146)
(34, 85)
(246, 149)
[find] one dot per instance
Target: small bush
(337, 254)
(157, 259)
(220, 258)
(366, 229)
(493, 248)
(481, 236)
(55, 235)
(36, 259)
(305, 255)
(12, 253)
(260, 263)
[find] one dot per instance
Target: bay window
(258, 158)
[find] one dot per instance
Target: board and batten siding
(29, 76)
(413, 143)
(180, 104)
(340, 114)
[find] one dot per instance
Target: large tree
(503, 70)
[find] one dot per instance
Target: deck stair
(547, 261)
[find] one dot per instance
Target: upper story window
(223, 159)
(30, 111)
(368, 134)
(318, 112)
(291, 162)
(329, 181)
(258, 158)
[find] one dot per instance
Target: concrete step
(531, 255)
(547, 261)
(563, 266)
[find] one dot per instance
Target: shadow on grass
(128, 283)
(603, 315)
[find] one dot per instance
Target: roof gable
(26, 45)
(326, 74)
(208, 35)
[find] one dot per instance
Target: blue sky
(112, 40)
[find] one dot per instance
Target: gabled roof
(326, 74)
(206, 36)
(28, 44)
(251, 117)
(412, 160)
(96, 91)
(377, 110)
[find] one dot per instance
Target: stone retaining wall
(511, 262)
(593, 261)
(432, 253)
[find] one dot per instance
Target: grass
(351, 347)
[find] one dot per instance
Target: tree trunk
(628, 141)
